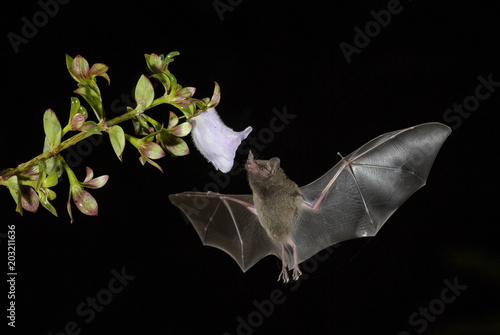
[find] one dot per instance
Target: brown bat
(354, 199)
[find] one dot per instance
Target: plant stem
(66, 144)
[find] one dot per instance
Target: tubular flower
(216, 142)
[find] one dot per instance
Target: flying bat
(353, 199)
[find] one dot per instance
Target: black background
(265, 55)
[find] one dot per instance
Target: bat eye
(261, 167)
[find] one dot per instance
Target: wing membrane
(368, 186)
(227, 222)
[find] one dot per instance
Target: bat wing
(228, 222)
(357, 196)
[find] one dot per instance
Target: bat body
(353, 199)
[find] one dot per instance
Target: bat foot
(284, 275)
(296, 273)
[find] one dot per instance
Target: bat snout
(251, 166)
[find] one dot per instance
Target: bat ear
(274, 164)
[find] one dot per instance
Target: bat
(352, 200)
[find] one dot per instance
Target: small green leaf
(80, 67)
(154, 62)
(157, 125)
(151, 150)
(172, 120)
(93, 99)
(117, 137)
(182, 129)
(77, 121)
(13, 185)
(44, 200)
(69, 65)
(42, 168)
(144, 93)
(176, 146)
(51, 180)
(188, 111)
(91, 127)
(214, 101)
(76, 108)
(99, 69)
(141, 126)
(52, 128)
(53, 164)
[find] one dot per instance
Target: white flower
(216, 141)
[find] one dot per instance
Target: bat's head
(261, 169)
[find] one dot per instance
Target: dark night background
(265, 55)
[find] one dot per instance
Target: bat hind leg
(284, 272)
(296, 271)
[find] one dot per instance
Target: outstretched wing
(357, 196)
(228, 222)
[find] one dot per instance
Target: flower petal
(216, 142)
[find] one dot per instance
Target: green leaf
(157, 125)
(214, 101)
(141, 126)
(46, 204)
(93, 99)
(53, 164)
(13, 185)
(77, 108)
(80, 67)
(154, 62)
(77, 121)
(91, 127)
(188, 111)
(144, 92)
(117, 137)
(42, 168)
(172, 120)
(51, 180)
(52, 128)
(170, 57)
(99, 69)
(182, 129)
(176, 146)
(69, 65)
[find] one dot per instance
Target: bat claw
(283, 275)
(296, 273)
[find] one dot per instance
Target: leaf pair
(87, 85)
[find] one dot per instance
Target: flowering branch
(30, 183)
